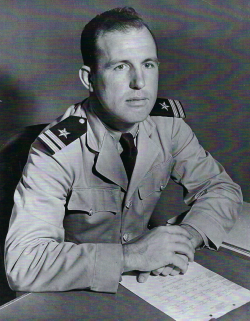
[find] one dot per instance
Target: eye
(150, 65)
(121, 67)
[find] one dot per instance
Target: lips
(136, 99)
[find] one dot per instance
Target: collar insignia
(168, 108)
(56, 137)
(63, 132)
(164, 106)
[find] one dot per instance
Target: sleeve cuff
(203, 236)
(108, 267)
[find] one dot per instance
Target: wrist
(133, 257)
(195, 237)
(127, 258)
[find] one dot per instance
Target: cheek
(106, 83)
(153, 79)
(115, 88)
(108, 94)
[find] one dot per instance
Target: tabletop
(124, 305)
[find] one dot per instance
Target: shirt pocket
(93, 215)
(156, 180)
(153, 184)
(94, 200)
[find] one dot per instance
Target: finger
(143, 276)
(176, 229)
(179, 263)
(184, 257)
(178, 238)
(167, 270)
(158, 271)
(175, 271)
(180, 248)
(175, 238)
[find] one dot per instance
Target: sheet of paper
(200, 294)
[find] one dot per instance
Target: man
(81, 210)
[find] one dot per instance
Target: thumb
(143, 276)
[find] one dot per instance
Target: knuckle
(155, 272)
(166, 271)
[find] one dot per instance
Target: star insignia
(63, 132)
(164, 106)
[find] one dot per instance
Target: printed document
(200, 294)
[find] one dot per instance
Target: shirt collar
(96, 129)
(117, 134)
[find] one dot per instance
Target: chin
(135, 120)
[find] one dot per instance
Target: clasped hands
(164, 250)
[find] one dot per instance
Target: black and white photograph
(125, 160)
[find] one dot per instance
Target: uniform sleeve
(215, 199)
(37, 258)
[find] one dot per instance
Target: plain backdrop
(204, 54)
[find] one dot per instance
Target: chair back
(14, 150)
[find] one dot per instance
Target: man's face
(126, 77)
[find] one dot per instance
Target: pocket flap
(149, 186)
(156, 180)
(92, 200)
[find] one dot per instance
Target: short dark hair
(118, 19)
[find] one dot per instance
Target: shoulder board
(63, 133)
(168, 108)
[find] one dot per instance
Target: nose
(137, 80)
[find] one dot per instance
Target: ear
(85, 76)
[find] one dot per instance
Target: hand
(158, 248)
(164, 271)
(170, 269)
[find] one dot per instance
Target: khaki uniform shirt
(69, 223)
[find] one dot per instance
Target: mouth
(136, 99)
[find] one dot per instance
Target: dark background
(204, 54)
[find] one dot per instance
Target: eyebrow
(114, 62)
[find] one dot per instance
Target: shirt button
(125, 237)
(162, 187)
(91, 212)
(81, 121)
(128, 204)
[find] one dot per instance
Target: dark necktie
(129, 153)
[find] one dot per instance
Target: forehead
(123, 44)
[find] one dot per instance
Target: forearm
(39, 263)
(214, 215)
(215, 199)
(64, 267)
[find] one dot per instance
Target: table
(87, 305)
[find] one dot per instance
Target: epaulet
(63, 133)
(168, 108)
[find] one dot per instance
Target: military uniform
(74, 210)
